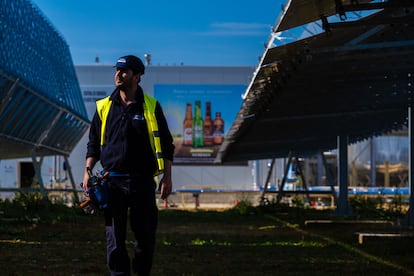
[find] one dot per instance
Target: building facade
(188, 83)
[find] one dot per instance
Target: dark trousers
(134, 197)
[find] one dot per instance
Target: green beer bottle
(198, 126)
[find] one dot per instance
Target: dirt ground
(201, 242)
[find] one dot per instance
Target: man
(130, 136)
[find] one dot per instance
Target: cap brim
(121, 65)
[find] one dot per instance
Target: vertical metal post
(282, 184)
(342, 207)
(304, 183)
(72, 181)
(373, 170)
(411, 167)
(269, 174)
(307, 169)
(321, 164)
(256, 174)
(38, 173)
(330, 177)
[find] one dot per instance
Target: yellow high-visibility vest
(103, 106)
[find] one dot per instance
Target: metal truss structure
(41, 107)
(348, 83)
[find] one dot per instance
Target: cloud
(237, 29)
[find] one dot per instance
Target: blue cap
(131, 62)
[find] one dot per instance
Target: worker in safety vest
(130, 137)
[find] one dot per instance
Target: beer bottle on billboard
(198, 128)
(208, 126)
(188, 126)
(218, 135)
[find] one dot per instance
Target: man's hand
(165, 187)
(87, 173)
(85, 182)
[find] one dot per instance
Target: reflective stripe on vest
(103, 106)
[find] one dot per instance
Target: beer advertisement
(199, 116)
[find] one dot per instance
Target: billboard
(199, 116)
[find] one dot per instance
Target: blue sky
(213, 32)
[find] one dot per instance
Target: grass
(47, 239)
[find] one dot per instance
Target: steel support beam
(72, 181)
(269, 174)
(410, 214)
(342, 206)
(38, 172)
(330, 177)
(282, 184)
(8, 96)
(373, 169)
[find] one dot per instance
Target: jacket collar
(139, 95)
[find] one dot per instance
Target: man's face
(125, 78)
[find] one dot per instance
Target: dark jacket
(127, 147)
